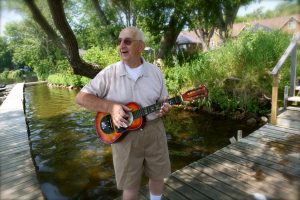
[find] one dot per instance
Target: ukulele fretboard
(155, 107)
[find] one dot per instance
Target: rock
(264, 119)
(239, 115)
(251, 122)
(2, 85)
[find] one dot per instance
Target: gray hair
(138, 34)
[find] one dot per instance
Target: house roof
(187, 37)
(272, 23)
(258, 26)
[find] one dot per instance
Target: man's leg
(131, 194)
(156, 187)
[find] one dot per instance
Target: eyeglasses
(126, 41)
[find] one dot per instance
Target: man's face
(129, 47)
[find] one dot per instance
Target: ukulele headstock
(195, 94)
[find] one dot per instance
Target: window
(292, 24)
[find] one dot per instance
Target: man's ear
(142, 46)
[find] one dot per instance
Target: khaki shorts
(144, 149)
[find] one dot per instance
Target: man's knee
(131, 194)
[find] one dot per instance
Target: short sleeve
(98, 86)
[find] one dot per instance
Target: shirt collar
(121, 69)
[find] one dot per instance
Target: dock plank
(264, 162)
(225, 178)
(271, 155)
(295, 124)
(205, 189)
(255, 172)
(246, 149)
(184, 189)
(291, 115)
(171, 194)
(233, 192)
(255, 168)
(257, 185)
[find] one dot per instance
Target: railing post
(274, 100)
(285, 97)
(293, 70)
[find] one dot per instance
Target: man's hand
(119, 115)
(165, 108)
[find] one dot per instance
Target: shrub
(248, 59)
(11, 76)
(103, 57)
(67, 79)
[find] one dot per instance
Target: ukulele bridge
(130, 118)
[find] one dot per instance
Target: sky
(264, 4)
(7, 16)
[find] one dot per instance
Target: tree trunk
(79, 66)
(226, 18)
(204, 36)
(69, 43)
(169, 39)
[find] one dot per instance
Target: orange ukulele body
(106, 130)
(109, 133)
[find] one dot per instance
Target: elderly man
(133, 80)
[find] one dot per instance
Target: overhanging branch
(67, 42)
(79, 66)
(41, 20)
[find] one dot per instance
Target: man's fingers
(127, 109)
(124, 125)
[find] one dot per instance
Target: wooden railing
(291, 50)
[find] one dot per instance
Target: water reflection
(72, 163)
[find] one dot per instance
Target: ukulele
(109, 133)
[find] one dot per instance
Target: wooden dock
(17, 171)
(263, 165)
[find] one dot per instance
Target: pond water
(71, 161)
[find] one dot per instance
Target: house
(290, 24)
(188, 40)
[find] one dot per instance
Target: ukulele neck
(155, 107)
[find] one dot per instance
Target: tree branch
(79, 66)
(68, 43)
(41, 20)
(103, 18)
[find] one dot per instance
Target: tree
(283, 9)
(163, 19)
(203, 21)
(166, 19)
(212, 16)
(30, 46)
(94, 22)
(5, 55)
(226, 15)
(67, 41)
(126, 8)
